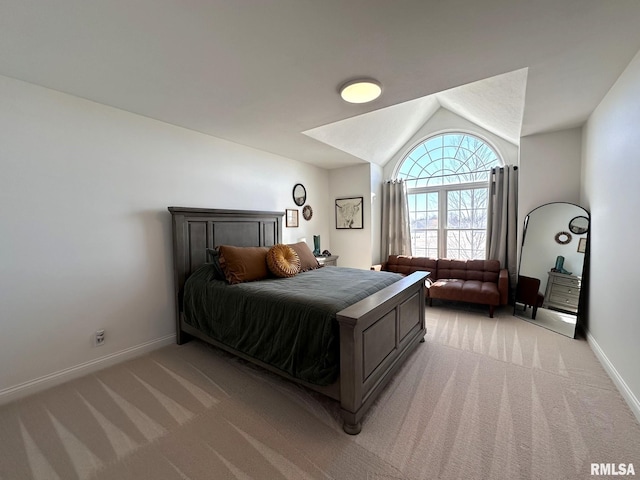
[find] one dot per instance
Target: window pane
(421, 202)
(433, 201)
(434, 142)
(466, 198)
(480, 244)
(453, 200)
(480, 218)
(453, 220)
(466, 244)
(453, 244)
(424, 243)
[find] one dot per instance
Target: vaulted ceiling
(265, 73)
(496, 104)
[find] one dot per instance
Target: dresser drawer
(570, 282)
(564, 289)
(570, 301)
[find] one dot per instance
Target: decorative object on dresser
(366, 343)
(307, 212)
(299, 194)
(292, 217)
(316, 245)
(560, 266)
(349, 214)
(549, 255)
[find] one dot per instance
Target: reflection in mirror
(579, 225)
(299, 194)
(550, 273)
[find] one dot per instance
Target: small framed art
(291, 217)
(349, 213)
(582, 245)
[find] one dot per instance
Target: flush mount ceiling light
(360, 91)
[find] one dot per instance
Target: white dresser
(563, 292)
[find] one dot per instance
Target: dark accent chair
(528, 293)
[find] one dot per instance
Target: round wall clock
(307, 212)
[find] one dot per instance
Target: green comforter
(289, 323)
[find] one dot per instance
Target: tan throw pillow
(243, 264)
(283, 261)
(307, 260)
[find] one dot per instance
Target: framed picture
(349, 213)
(582, 245)
(291, 217)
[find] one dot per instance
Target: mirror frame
(299, 199)
(584, 273)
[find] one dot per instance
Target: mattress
(289, 323)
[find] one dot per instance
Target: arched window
(447, 179)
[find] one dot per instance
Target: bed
(375, 335)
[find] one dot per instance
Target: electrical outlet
(99, 338)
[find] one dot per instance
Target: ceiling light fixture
(360, 91)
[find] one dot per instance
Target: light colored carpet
(481, 399)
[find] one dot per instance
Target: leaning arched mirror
(551, 266)
(299, 194)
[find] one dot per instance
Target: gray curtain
(396, 235)
(502, 221)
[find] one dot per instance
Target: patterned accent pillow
(283, 261)
(307, 260)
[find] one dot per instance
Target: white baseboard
(624, 389)
(33, 386)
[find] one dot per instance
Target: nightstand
(330, 261)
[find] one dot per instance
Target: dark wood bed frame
(377, 334)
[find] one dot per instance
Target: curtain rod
(515, 167)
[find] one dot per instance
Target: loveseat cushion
(406, 265)
(481, 270)
(473, 291)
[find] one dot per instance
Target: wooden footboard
(377, 334)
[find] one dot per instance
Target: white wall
(353, 246)
(549, 169)
(611, 168)
(86, 236)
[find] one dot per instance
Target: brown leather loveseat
(474, 281)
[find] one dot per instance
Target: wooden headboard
(196, 229)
